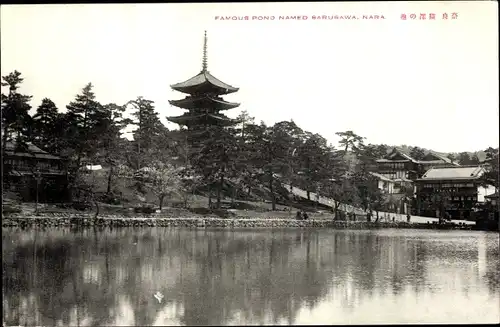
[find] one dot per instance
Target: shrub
(81, 205)
(6, 209)
(111, 199)
(144, 209)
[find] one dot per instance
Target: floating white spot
(158, 296)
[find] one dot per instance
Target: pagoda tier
(190, 120)
(204, 101)
(203, 83)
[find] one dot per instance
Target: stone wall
(199, 223)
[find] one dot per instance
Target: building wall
(20, 177)
(457, 198)
(386, 186)
(484, 191)
(394, 170)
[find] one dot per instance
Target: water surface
(59, 277)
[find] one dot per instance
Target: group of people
(302, 215)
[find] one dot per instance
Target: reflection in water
(210, 277)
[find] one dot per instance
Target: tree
(451, 156)
(417, 153)
(491, 153)
(45, 132)
(216, 158)
(109, 123)
(380, 151)
(245, 119)
(492, 173)
(16, 121)
(343, 192)
(162, 179)
(87, 183)
(369, 195)
(274, 153)
(474, 160)
(464, 159)
(84, 111)
(313, 155)
(350, 140)
(249, 157)
(149, 128)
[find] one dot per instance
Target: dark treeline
(167, 161)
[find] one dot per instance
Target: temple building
(203, 101)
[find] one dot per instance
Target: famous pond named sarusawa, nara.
(176, 276)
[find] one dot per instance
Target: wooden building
(398, 164)
(398, 171)
(30, 169)
(451, 192)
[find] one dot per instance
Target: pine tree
(147, 133)
(84, 112)
(45, 132)
(16, 121)
(108, 124)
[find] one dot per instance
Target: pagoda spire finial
(204, 62)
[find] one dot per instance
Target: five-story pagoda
(204, 101)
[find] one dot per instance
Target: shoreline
(208, 222)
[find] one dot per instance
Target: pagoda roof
(204, 80)
(188, 119)
(202, 102)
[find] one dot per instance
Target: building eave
(204, 78)
(193, 103)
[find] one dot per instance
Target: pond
(175, 276)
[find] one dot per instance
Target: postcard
(250, 163)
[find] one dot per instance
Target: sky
(429, 83)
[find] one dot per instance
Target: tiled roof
(471, 172)
(32, 151)
(440, 158)
(194, 102)
(381, 177)
(201, 78)
(403, 153)
(31, 147)
(437, 155)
